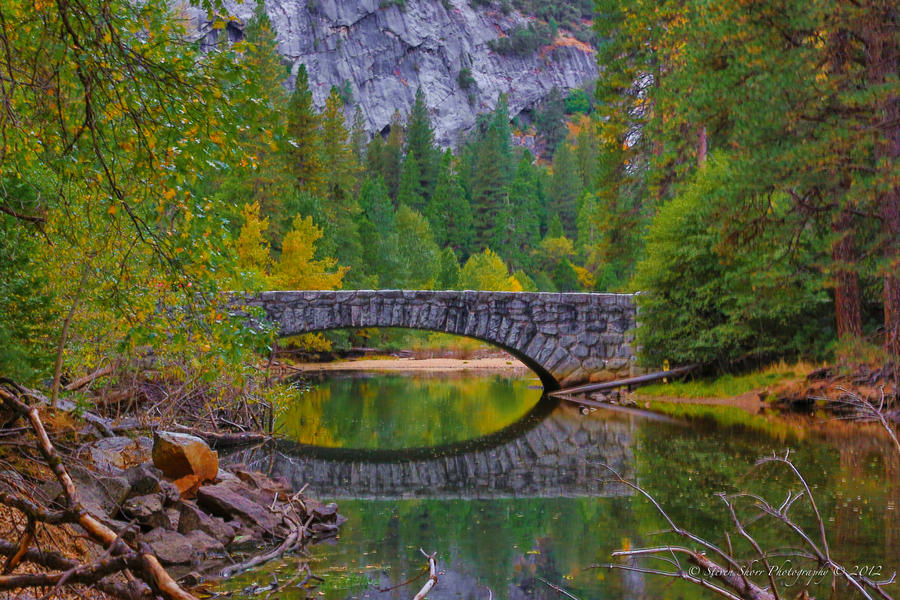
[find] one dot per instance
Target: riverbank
(506, 364)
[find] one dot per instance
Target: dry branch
(432, 576)
(731, 580)
(140, 561)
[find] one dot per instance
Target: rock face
(567, 339)
(382, 55)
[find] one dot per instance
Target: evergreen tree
(420, 142)
(375, 157)
(392, 156)
(549, 119)
(565, 278)
(304, 146)
(419, 255)
(449, 211)
(517, 230)
(410, 193)
(555, 230)
(448, 273)
(339, 214)
(490, 175)
(378, 234)
(358, 136)
(263, 178)
(565, 189)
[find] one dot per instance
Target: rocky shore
(197, 517)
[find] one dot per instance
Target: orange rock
(187, 486)
(179, 455)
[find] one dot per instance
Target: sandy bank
(421, 364)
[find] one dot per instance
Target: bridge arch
(566, 339)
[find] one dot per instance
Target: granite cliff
(382, 54)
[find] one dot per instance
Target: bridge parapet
(566, 338)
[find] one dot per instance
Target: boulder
(231, 500)
(266, 488)
(166, 518)
(143, 479)
(194, 519)
(205, 544)
(112, 455)
(141, 507)
(170, 491)
(178, 455)
(170, 547)
(100, 494)
(187, 486)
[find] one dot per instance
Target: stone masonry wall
(567, 339)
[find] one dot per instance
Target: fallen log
(432, 576)
(631, 381)
(225, 440)
(146, 566)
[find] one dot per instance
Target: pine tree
(517, 230)
(449, 211)
(420, 141)
(410, 193)
(341, 210)
(304, 146)
(565, 189)
(392, 156)
(448, 274)
(549, 120)
(419, 255)
(358, 137)
(378, 234)
(490, 174)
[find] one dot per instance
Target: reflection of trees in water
(852, 470)
(397, 411)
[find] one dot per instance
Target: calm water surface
(509, 492)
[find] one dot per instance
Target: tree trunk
(882, 58)
(847, 297)
(701, 146)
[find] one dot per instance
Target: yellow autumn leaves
(296, 268)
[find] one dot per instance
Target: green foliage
(486, 271)
(565, 278)
(410, 193)
(418, 254)
(549, 119)
(705, 304)
(303, 145)
(449, 271)
(465, 79)
(27, 321)
(524, 39)
(566, 187)
(578, 102)
(449, 211)
(420, 143)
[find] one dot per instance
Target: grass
(726, 386)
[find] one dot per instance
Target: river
(510, 490)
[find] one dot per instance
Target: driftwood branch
(432, 576)
(730, 580)
(140, 561)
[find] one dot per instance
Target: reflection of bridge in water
(552, 452)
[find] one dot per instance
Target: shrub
(707, 301)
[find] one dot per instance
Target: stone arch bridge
(566, 339)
